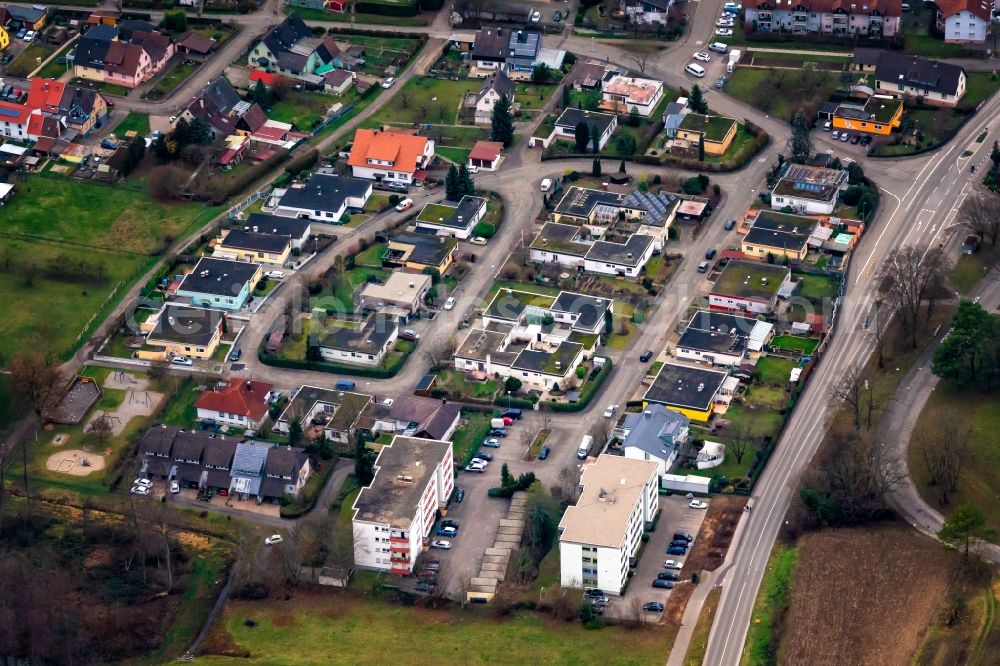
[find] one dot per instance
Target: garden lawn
(117, 218)
(29, 59)
(971, 268)
(54, 69)
(371, 19)
(425, 100)
(746, 83)
(932, 47)
(532, 96)
(337, 629)
(181, 411)
(817, 288)
(795, 342)
(979, 477)
(978, 87)
(305, 110)
(454, 381)
(51, 312)
(167, 83)
(773, 371)
(133, 122)
(468, 438)
(372, 256)
(343, 290)
(456, 155)
(741, 143)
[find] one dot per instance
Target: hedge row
(335, 368)
(385, 9)
(586, 395)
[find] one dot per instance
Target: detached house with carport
(182, 330)
(324, 198)
(715, 132)
(688, 390)
(778, 236)
(367, 344)
(240, 245)
(220, 283)
(722, 339)
(600, 126)
(240, 403)
(570, 246)
(808, 189)
(450, 219)
(295, 229)
(390, 155)
(494, 87)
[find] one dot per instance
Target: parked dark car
(498, 432)
(488, 457)
(730, 224)
(594, 593)
(668, 575)
(653, 607)
(686, 536)
(449, 522)
(235, 354)
(645, 356)
(866, 139)
(544, 453)
(676, 550)
(663, 584)
(710, 254)
(683, 543)
(512, 414)
(459, 494)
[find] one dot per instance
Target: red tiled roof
(401, 149)
(45, 94)
(978, 8)
(22, 113)
(486, 150)
(266, 78)
(238, 397)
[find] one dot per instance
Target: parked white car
(273, 539)
(478, 240)
(276, 275)
(449, 303)
(723, 32)
(443, 544)
(181, 360)
(388, 82)
(698, 504)
(672, 564)
(610, 411)
(704, 57)
(405, 204)
(175, 487)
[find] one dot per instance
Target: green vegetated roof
(509, 304)
(434, 212)
(744, 279)
(714, 128)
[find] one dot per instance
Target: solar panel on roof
(9, 113)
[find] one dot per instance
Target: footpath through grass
(699, 639)
(772, 599)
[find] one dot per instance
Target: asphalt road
(915, 216)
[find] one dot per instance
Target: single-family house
(594, 209)
(876, 18)
(600, 126)
(715, 132)
(324, 198)
(587, 75)
(394, 515)
(778, 236)
(688, 390)
(390, 155)
(602, 532)
(367, 344)
(286, 470)
(486, 155)
(419, 252)
(722, 338)
(747, 286)
(963, 21)
(324, 412)
(413, 416)
(494, 86)
(935, 82)
(122, 55)
(579, 315)
(624, 94)
(220, 283)
(223, 110)
(338, 81)
(242, 403)
(808, 189)
(567, 245)
(290, 49)
(655, 434)
(452, 219)
(402, 295)
(647, 12)
(240, 245)
(588, 314)
(296, 229)
(182, 330)
(879, 115)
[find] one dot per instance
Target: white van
(695, 70)
(584, 449)
(546, 185)
(718, 47)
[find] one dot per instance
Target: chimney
(648, 414)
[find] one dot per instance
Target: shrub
(693, 186)
(484, 229)
(581, 372)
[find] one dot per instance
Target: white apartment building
(604, 529)
(395, 513)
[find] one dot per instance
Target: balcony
(399, 539)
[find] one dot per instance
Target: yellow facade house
(182, 330)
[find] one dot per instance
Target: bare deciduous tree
(740, 441)
(640, 58)
(980, 215)
(909, 278)
(943, 446)
(101, 428)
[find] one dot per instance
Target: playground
(75, 462)
(137, 400)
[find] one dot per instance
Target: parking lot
(675, 516)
